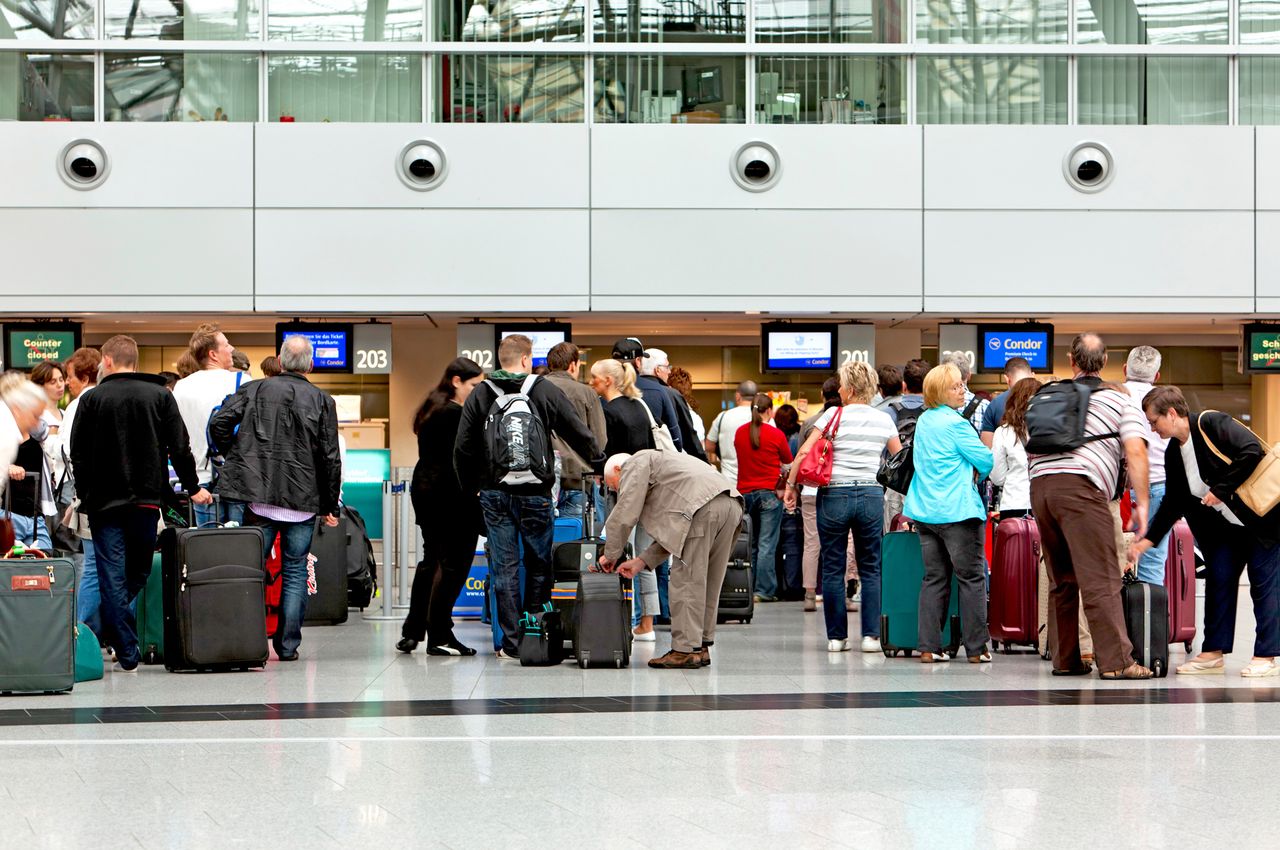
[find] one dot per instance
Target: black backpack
(516, 438)
(907, 417)
(1056, 417)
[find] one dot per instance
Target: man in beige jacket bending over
(692, 513)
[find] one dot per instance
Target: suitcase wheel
(747, 622)
(907, 653)
(889, 653)
(1187, 647)
(1008, 648)
(150, 657)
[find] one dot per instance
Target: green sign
(1263, 350)
(29, 347)
(362, 477)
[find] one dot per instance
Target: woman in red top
(762, 452)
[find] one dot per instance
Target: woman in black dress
(450, 519)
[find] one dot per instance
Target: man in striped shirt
(1070, 496)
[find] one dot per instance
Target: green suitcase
(901, 574)
(88, 655)
(150, 616)
(37, 625)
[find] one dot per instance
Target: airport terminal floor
(777, 744)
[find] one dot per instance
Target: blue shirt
(994, 414)
(946, 453)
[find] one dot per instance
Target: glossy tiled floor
(358, 746)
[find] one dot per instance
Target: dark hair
(787, 418)
(43, 372)
(1016, 365)
(463, 368)
(760, 405)
(1089, 353)
(831, 393)
(561, 356)
(1163, 399)
(1015, 407)
(271, 366)
(890, 378)
(170, 378)
(913, 374)
(239, 360)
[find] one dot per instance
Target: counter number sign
(372, 350)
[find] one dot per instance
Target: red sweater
(758, 469)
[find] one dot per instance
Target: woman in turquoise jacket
(943, 501)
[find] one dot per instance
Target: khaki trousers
(698, 573)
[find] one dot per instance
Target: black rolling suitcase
(328, 606)
(737, 594)
(1146, 616)
(214, 617)
(602, 632)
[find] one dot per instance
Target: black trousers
(437, 583)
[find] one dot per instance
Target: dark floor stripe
(618, 704)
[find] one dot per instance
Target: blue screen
(999, 347)
(799, 349)
(330, 348)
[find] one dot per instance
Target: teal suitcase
(901, 575)
(150, 616)
(88, 655)
(37, 625)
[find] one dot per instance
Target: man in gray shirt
(564, 361)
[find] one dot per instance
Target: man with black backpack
(1079, 435)
(503, 452)
(904, 411)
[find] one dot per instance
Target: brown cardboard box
(699, 116)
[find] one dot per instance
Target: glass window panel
(1153, 90)
(1259, 90)
(515, 20)
(1151, 21)
(536, 89)
(830, 90)
(44, 86)
(639, 89)
(211, 20)
(38, 20)
(181, 87)
(1259, 21)
(671, 20)
(324, 87)
(991, 89)
(345, 20)
(862, 21)
(992, 21)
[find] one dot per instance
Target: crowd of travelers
(93, 446)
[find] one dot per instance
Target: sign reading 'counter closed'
(1262, 348)
(29, 345)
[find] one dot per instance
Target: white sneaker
(871, 644)
(838, 645)
(119, 668)
(503, 654)
(645, 637)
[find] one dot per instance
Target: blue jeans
(1151, 564)
(88, 599)
(509, 520)
(840, 510)
(572, 503)
(124, 540)
(765, 510)
(221, 512)
(295, 543)
(31, 532)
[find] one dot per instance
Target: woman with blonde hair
(852, 501)
(950, 518)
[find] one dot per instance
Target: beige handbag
(661, 433)
(1261, 492)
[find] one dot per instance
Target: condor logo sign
(1034, 343)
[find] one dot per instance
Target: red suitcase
(1180, 581)
(1012, 611)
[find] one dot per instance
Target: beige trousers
(812, 550)
(698, 573)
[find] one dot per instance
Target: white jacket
(1010, 471)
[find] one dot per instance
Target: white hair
(296, 354)
(1143, 364)
(961, 361)
(21, 394)
(616, 462)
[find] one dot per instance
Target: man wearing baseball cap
(631, 350)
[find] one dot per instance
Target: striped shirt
(1110, 412)
(860, 441)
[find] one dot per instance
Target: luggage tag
(17, 583)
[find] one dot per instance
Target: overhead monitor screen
(1262, 348)
(998, 344)
(798, 346)
(545, 337)
(330, 344)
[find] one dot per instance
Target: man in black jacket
(655, 372)
(283, 462)
(125, 433)
(515, 512)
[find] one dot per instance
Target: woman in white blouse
(1009, 451)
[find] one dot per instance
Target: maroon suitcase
(1180, 581)
(1012, 613)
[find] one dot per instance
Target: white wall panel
(1024, 263)
(1267, 141)
(823, 167)
(778, 260)
(1157, 168)
(355, 166)
(127, 260)
(189, 165)
(384, 260)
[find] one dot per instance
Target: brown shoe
(1133, 671)
(704, 656)
(675, 660)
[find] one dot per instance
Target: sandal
(1133, 671)
(983, 657)
(1261, 668)
(1082, 670)
(934, 657)
(1202, 668)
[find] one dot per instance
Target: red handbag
(815, 469)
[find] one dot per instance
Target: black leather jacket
(286, 450)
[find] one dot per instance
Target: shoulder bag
(1261, 491)
(661, 433)
(815, 469)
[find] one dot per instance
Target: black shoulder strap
(971, 408)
